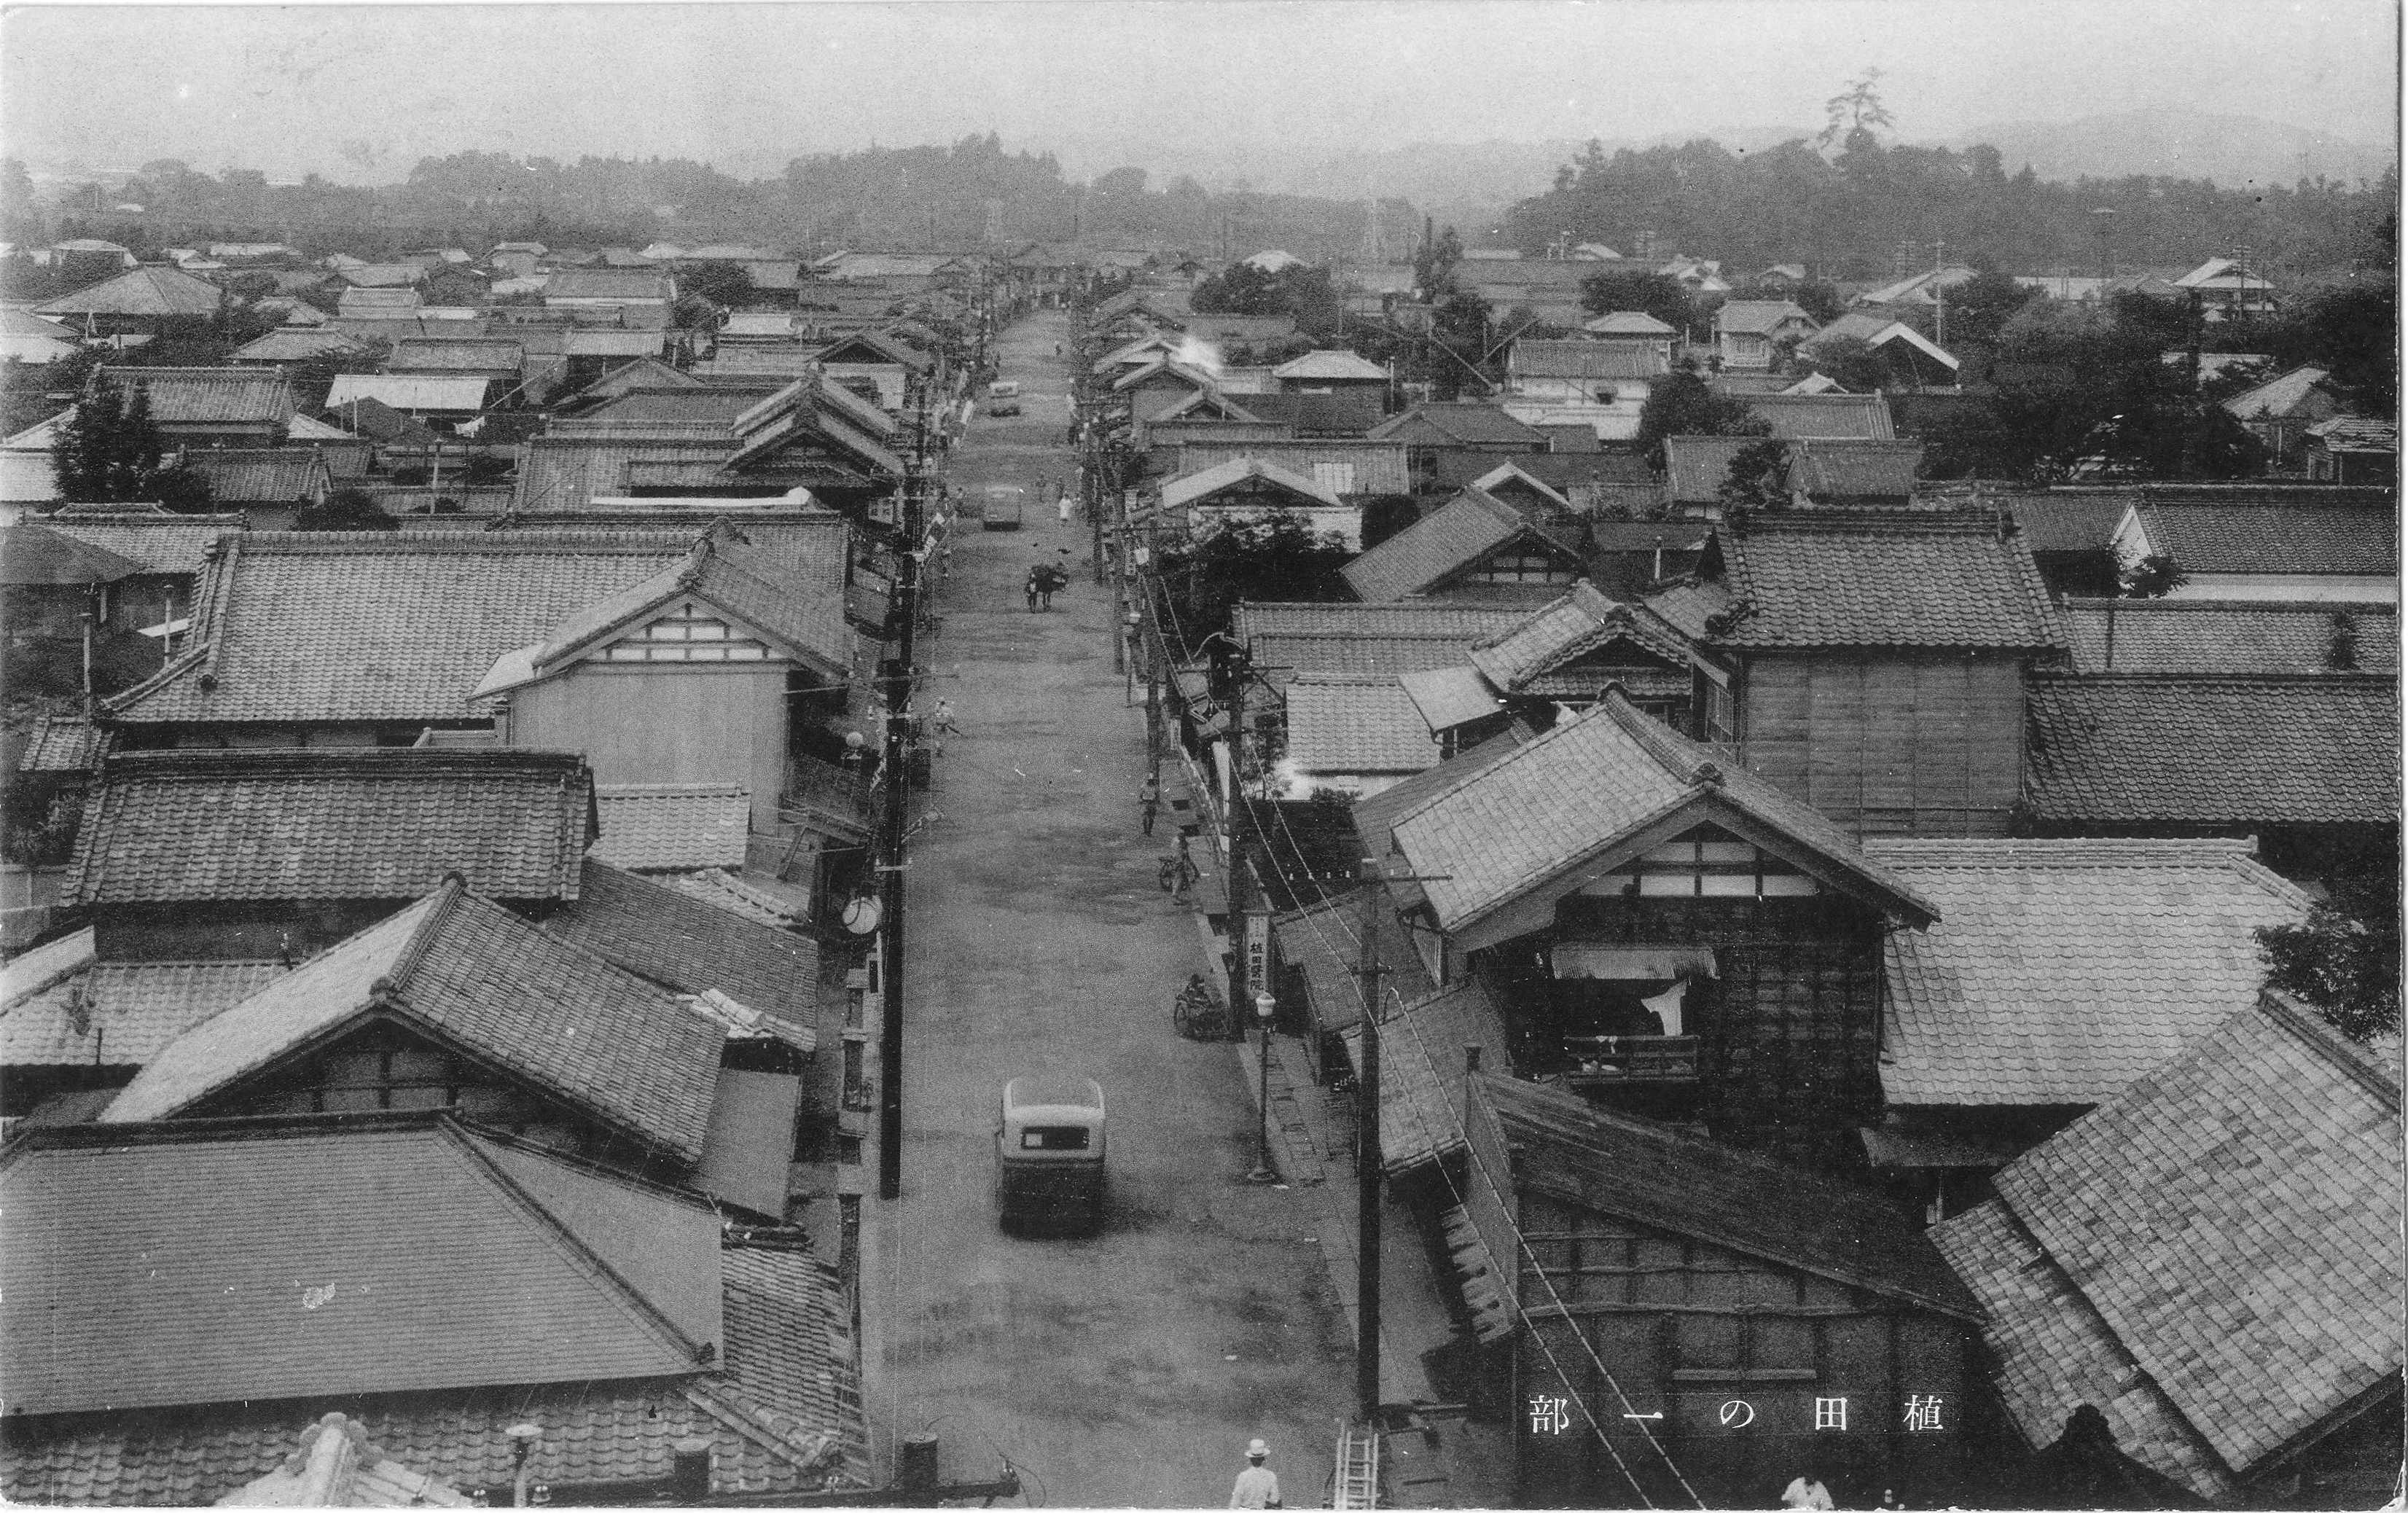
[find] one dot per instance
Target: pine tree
(109, 450)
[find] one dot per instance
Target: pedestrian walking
(1149, 799)
(943, 718)
(1050, 582)
(1062, 508)
(1184, 869)
(1257, 1485)
(1030, 588)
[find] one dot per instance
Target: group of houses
(1827, 1000)
(478, 877)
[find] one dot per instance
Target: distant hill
(2233, 150)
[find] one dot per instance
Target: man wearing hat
(1256, 1485)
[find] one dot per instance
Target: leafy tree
(1853, 113)
(1759, 477)
(1121, 183)
(1978, 308)
(1386, 515)
(1658, 295)
(2153, 576)
(1679, 405)
(2344, 961)
(1849, 362)
(109, 450)
(345, 509)
(1241, 289)
(1276, 556)
(1434, 262)
(723, 284)
(1819, 300)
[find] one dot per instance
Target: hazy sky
(359, 91)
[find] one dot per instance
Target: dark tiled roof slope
(2237, 751)
(2064, 970)
(677, 940)
(156, 1272)
(62, 743)
(1583, 1155)
(123, 1013)
(331, 823)
(790, 1348)
(1399, 616)
(1799, 417)
(1695, 466)
(161, 543)
(1469, 526)
(261, 475)
(202, 396)
(1846, 469)
(2234, 1222)
(359, 626)
(2071, 520)
(2274, 538)
(1421, 1041)
(1882, 578)
(2229, 636)
(1579, 622)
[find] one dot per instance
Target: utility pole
(1368, 1161)
(1940, 292)
(902, 618)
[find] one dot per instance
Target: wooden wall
(1684, 1327)
(1903, 744)
(666, 723)
(239, 930)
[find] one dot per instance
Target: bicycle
(1198, 1013)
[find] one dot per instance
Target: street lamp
(1264, 1005)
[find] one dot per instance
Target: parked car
(1049, 1151)
(1000, 507)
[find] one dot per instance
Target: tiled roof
(2227, 635)
(1329, 364)
(330, 822)
(2352, 433)
(1759, 317)
(438, 354)
(214, 1285)
(2239, 751)
(260, 476)
(2230, 1226)
(1805, 416)
(1534, 359)
(688, 402)
(673, 829)
(1829, 578)
(2274, 538)
(289, 345)
(1464, 420)
(1798, 1220)
(1340, 466)
(1282, 656)
(1627, 323)
(1445, 618)
(1375, 815)
(1321, 941)
(1338, 723)
(2070, 520)
(209, 396)
(1421, 1069)
(586, 1031)
(1446, 697)
(151, 290)
(1189, 488)
(568, 472)
(62, 743)
(1468, 527)
(32, 555)
(377, 304)
(1695, 466)
(122, 1013)
(370, 626)
(1691, 608)
(790, 1349)
(161, 541)
(607, 283)
(671, 938)
(409, 392)
(1581, 621)
(1590, 783)
(368, 276)
(2065, 969)
(1855, 469)
(2279, 395)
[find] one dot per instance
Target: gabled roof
(1695, 466)
(1578, 1153)
(2241, 753)
(159, 540)
(1573, 803)
(1236, 471)
(168, 1268)
(2212, 1258)
(1758, 317)
(330, 822)
(409, 392)
(292, 344)
(62, 743)
(1330, 365)
(2070, 520)
(673, 829)
(1534, 359)
(1194, 376)
(209, 396)
(2063, 970)
(1878, 331)
(1449, 697)
(1627, 323)
(374, 625)
(2289, 538)
(34, 555)
(259, 476)
(1421, 1104)
(476, 976)
(384, 275)
(1350, 410)
(671, 937)
(2230, 636)
(608, 283)
(1579, 623)
(2356, 433)
(1456, 536)
(1464, 420)
(438, 354)
(1400, 637)
(1350, 723)
(873, 347)
(2280, 395)
(1855, 469)
(1832, 578)
(1814, 417)
(116, 1013)
(2221, 273)
(379, 303)
(146, 291)
(1341, 465)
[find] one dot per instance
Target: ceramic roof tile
(1459, 533)
(1831, 577)
(160, 542)
(201, 397)
(1446, 697)
(1855, 469)
(1469, 422)
(2288, 538)
(672, 829)
(2228, 635)
(1534, 359)
(1803, 417)
(2213, 750)
(1338, 723)
(2071, 520)
(1340, 466)
(2231, 1225)
(2062, 971)
(174, 1271)
(1320, 941)
(1582, 1154)
(377, 626)
(587, 1031)
(671, 938)
(150, 291)
(1695, 466)
(1579, 623)
(1447, 618)
(260, 475)
(62, 743)
(330, 822)
(1570, 795)
(1422, 1041)
(123, 1013)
